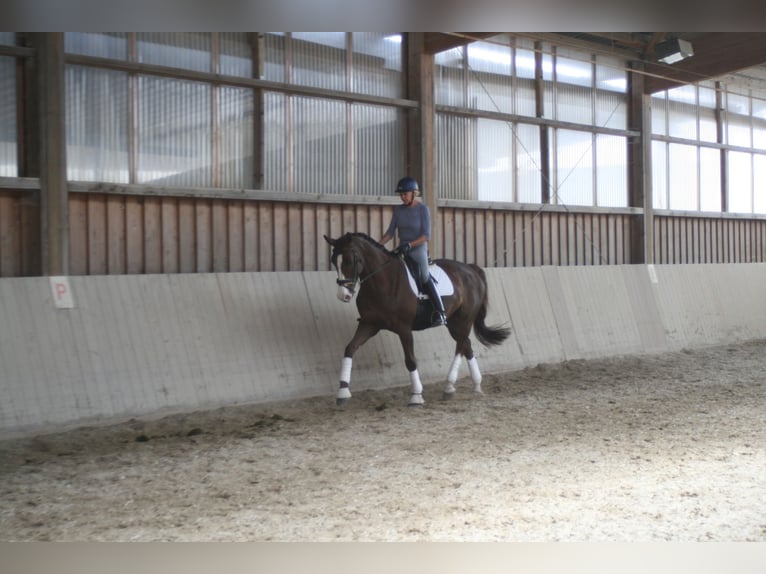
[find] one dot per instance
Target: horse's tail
(487, 336)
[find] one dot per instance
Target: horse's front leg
(408, 345)
(363, 332)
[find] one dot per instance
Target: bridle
(350, 284)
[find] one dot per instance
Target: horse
(387, 301)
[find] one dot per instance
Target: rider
(413, 220)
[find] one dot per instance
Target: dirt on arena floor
(667, 447)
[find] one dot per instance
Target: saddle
(442, 281)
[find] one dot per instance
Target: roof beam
(715, 54)
(436, 42)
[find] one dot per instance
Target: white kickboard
(443, 283)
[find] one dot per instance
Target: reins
(371, 273)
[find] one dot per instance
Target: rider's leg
(420, 255)
(440, 317)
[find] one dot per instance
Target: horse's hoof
(448, 396)
(342, 396)
(416, 401)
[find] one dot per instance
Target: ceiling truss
(716, 54)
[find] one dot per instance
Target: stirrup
(438, 319)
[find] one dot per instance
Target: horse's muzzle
(346, 289)
(344, 294)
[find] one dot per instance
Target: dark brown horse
(386, 301)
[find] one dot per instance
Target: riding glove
(403, 249)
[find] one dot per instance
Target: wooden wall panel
(10, 253)
(506, 238)
(26, 246)
(281, 237)
(295, 243)
(322, 218)
(187, 237)
(78, 235)
(688, 239)
(250, 239)
(204, 232)
(152, 235)
(170, 235)
(266, 237)
(115, 225)
(219, 235)
(311, 241)
(336, 221)
(124, 234)
(134, 235)
(523, 238)
(96, 227)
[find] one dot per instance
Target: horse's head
(361, 257)
(349, 266)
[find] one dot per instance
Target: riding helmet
(408, 184)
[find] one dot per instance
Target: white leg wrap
(345, 370)
(453, 370)
(417, 389)
(449, 390)
(345, 380)
(473, 366)
(417, 386)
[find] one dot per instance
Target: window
(97, 125)
(686, 118)
(164, 129)
(574, 169)
(8, 126)
(491, 159)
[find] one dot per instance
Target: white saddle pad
(443, 283)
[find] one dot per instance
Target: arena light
(673, 51)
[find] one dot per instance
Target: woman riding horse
(413, 221)
(385, 301)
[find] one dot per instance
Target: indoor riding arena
(171, 339)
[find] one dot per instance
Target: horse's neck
(373, 259)
(381, 270)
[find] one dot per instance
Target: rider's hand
(403, 249)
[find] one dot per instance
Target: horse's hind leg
(449, 390)
(462, 349)
(473, 366)
(462, 344)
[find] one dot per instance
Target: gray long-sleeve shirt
(412, 222)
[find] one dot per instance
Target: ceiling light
(673, 51)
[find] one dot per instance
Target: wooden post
(720, 138)
(640, 162)
(259, 71)
(545, 148)
(420, 131)
(54, 216)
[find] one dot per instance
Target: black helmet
(408, 184)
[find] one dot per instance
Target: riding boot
(439, 317)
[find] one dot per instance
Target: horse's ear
(329, 240)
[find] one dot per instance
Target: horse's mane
(369, 240)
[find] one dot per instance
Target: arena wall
(144, 345)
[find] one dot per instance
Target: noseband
(349, 284)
